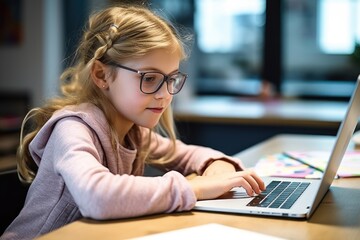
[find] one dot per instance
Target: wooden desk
(244, 122)
(288, 112)
(337, 217)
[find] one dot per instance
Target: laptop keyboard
(279, 194)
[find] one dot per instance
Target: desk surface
(337, 217)
(272, 112)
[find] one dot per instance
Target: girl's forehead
(170, 52)
(158, 59)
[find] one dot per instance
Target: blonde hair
(112, 35)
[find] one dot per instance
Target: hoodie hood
(119, 161)
(88, 113)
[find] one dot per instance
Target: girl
(85, 156)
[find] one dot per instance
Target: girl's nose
(163, 91)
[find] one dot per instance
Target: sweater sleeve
(101, 194)
(188, 159)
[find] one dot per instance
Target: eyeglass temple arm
(124, 67)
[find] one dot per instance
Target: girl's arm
(188, 159)
(101, 194)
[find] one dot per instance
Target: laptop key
(284, 195)
(265, 198)
(291, 200)
(258, 199)
(279, 195)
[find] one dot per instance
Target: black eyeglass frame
(165, 79)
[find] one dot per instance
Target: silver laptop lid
(344, 135)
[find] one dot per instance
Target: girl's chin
(149, 125)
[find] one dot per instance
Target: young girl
(86, 153)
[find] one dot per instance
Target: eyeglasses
(152, 81)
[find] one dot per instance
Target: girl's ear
(98, 74)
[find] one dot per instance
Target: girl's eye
(152, 77)
(174, 78)
(149, 79)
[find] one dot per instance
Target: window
(338, 35)
(319, 40)
(223, 31)
(228, 62)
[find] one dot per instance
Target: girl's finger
(240, 181)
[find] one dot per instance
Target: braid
(105, 40)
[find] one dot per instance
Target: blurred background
(257, 68)
(299, 48)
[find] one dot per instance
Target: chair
(12, 199)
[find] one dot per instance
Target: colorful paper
(310, 164)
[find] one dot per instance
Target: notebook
(290, 197)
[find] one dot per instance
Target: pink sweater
(79, 175)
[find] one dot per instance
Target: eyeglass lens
(152, 82)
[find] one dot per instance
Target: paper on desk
(212, 231)
(306, 164)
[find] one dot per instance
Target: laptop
(289, 197)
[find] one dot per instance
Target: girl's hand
(218, 167)
(210, 187)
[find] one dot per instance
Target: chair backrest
(12, 197)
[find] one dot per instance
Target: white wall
(35, 63)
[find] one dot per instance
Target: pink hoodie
(79, 175)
